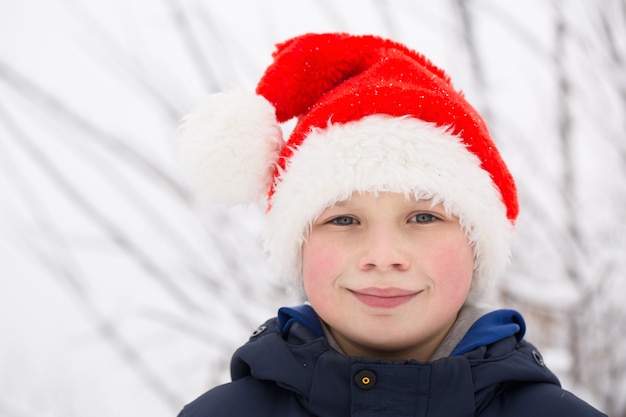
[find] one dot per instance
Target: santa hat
(372, 115)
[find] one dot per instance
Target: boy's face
(388, 275)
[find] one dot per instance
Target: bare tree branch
(112, 230)
(115, 144)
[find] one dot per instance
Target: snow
(122, 294)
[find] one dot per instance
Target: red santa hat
(372, 115)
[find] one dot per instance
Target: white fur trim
(229, 147)
(383, 153)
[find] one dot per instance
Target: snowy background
(121, 295)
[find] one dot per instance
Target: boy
(391, 210)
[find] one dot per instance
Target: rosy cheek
(454, 261)
(319, 263)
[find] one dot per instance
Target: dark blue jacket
(288, 369)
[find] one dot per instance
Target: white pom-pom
(229, 147)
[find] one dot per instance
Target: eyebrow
(349, 204)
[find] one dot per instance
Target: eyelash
(337, 221)
(350, 221)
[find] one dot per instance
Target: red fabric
(341, 78)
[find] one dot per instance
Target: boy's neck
(466, 317)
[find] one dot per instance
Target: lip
(384, 297)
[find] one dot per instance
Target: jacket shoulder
(245, 396)
(538, 400)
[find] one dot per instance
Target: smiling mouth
(384, 297)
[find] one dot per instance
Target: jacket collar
(299, 359)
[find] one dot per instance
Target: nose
(384, 250)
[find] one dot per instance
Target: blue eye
(423, 218)
(344, 221)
